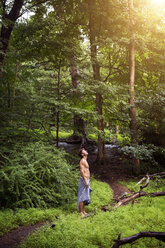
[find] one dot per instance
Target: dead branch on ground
(127, 199)
(157, 235)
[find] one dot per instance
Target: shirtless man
(84, 187)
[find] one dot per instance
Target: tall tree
(79, 123)
(132, 110)
(96, 76)
(8, 22)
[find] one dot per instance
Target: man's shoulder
(82, 161)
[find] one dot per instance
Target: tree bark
(8, 22)
(157, 235)
(96, 76)
(13, 95)
(79, 123)
(58, 111)
(132, 110)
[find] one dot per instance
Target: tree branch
(157, 235)
(126, 200)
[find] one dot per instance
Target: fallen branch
(137, 195)
(146, 184)
(126, 200)
(157, 235)
(160, 174)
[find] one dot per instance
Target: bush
(36, 175)
(148, 154)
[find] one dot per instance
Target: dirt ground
(14, 238)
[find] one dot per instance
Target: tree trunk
(96, 76)
(8, 95)
(58, 111)
(13, 96)
(8, 21)
(79, 123)
(132, 110)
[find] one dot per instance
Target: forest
(82, 74)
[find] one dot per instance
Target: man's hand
(86, 184)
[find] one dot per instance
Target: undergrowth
(36, 175)
(9, 219)
(99, 230)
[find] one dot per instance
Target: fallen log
(157, 235)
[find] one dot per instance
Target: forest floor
(111, 172)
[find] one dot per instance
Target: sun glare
(158, 2)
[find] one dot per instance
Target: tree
(96, 76)
(8, 22)
(79, 123)
(133, 126)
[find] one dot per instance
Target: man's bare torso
(84, 168)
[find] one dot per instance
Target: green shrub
(147, 154)
(36, 175)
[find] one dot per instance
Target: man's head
(82, 152)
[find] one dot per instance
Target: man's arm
(83, 173)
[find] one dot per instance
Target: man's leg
(81, 207)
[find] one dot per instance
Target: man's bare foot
(82, 214)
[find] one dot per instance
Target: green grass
(10, 219)
(111, 137)
(156, 185)
(101, 195)
(92, 136)
(99, 230)
(62, 135)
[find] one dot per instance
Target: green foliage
(110, 137)
(36, 175)
(149, 156)
(141, 151)
(101, 229)
(62, 134)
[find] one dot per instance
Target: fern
(37, 175)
